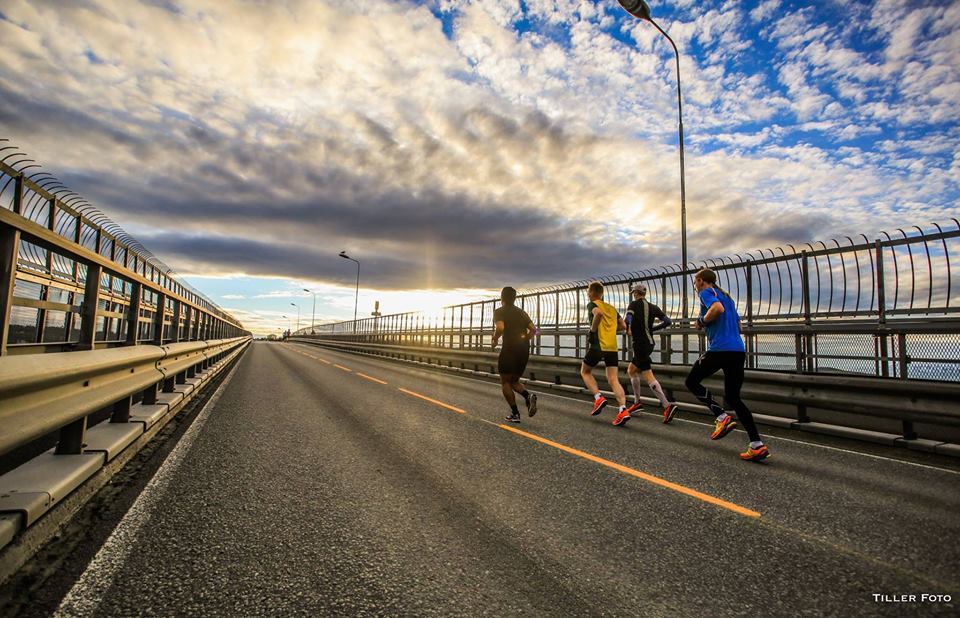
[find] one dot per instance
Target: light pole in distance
(313, 319)
(298, 315)
(356, 293)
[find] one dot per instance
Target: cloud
(461, 150)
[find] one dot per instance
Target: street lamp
(313, 319)
(356, 294)
(640, 10)
(288, 324)
(298, 315)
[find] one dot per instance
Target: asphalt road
(322, 483)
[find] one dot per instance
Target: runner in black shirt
(516, 328)
(640, 317)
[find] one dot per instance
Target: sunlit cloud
(455, 146)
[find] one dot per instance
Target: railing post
(751, 338)
(159, 317)
(537, 346)
(807, 352)
(18, 194)
(9, 254)
(175, 322)
(188, 323)
(133, 314)
(91, 303)
(556, 328)
(882, 342)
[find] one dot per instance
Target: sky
(456, 146)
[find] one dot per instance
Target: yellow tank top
(607, 330)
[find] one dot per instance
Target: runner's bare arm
(497, 331)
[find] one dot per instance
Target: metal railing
(886, 307)
(71, 279)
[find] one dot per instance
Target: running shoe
(622, 418)
(755, 454)
(669, 412)
(598, 405)
(532, 405)
(637, 407)
(513, 418)
(722, 428)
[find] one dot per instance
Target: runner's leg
(613, 377)
(732, 383)
(705, 367)
(634, 374)
(655, 387)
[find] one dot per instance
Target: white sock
(658, 391)
(722, 416)
(635, 381)
(622, 408)
(756, 444)
(597, 396)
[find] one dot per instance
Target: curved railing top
(40, 187)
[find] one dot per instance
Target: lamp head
(308, 291)
(344, 255)
(637, 8)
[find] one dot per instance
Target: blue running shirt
(723, 334)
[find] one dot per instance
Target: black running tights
(731, 363)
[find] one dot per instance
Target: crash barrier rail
(138, 387)
(886, 307)
(924, 414)
(70, 279)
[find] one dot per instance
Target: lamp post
(356, 294)
(298, 315)
(640, 10)
(313, 318)
(288, 324)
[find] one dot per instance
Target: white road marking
(86, 595)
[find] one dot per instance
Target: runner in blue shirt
(725, 352)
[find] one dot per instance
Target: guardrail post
(576, 336)
(537, 346)
(71, 438)
(902, 357)
(121, 410)
(158, 318)
(9, 254)
(91, 303)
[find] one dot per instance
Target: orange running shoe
(669, 412)
(598, 405)
(622, 417)
(636, 407)
(722, 428)
(755, 454)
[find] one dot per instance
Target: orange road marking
(640, 475)
(342, 367)
(323, 360)
(439, 403)
(372, 379)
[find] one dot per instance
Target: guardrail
(140, 388)
(70, 279)
(915, 409)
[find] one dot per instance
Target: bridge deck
(314, 485)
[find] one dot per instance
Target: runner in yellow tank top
(604, 326)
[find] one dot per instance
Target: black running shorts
(594, 356)
(513, 361)
(641, 356)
